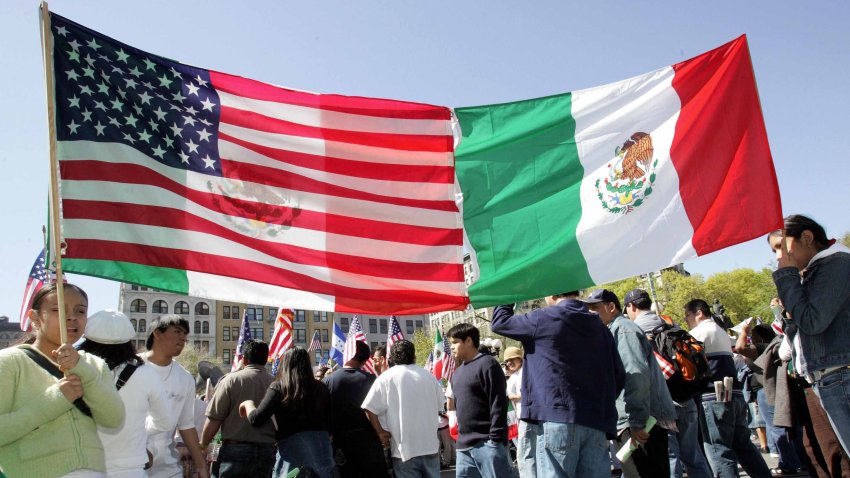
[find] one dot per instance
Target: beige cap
(513, 352)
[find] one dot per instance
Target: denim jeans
(727, 439)
(308, 449)
(245, 460)
(776, 436)
(526, 452)
(425, 466)
(569, 450)
(683, 447)
(834, 393)
(487, 459)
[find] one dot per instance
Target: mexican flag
(438, 352)
(513, 422)
(596, 185)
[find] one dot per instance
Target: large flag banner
(338, 345)
(281, 339)
(601, 184)
(213, 185)
(39, 275)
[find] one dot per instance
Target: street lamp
(493, 344)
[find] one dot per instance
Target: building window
(249, 312)
(343, 323)
(197, 345)
(300, 335)
(234, 313)
(419, 324)
(197, 327)
(205, 346)
(324, 335)
(225, 356)
(320, 316)
(235, 332)
(300, 316)
(272, 313)
(225, 334)
(409, 324)
(259, 313)
(205, 327)
(143, 325)
(181, 308)
(257, 333)
(373, 326)
(383, 324)
(225, 312)
(201, 308)
(138, 305)
(134, 287)
(135, 324)
(160, 307)
(326, 354)
(318, 356)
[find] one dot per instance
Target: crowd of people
(590, 377)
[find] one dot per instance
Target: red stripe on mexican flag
(596, 185)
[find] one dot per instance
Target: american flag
(448, 361)
(315, 343)
(39, 275)
(666, 367)
(355, 334)
(244, 336)
(213, 185)
(429, 362)
(393, 333)
(281, 339)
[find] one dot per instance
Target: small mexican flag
(587, 187)
(439, 347)
(513, 422)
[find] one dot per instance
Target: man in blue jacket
(573, 375)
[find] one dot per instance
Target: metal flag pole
(55, 227)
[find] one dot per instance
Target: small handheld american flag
(393, 333)
(315, 343)
(244, 336)
(39, 275)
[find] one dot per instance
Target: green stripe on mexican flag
(582, 188)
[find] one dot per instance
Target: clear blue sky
(454, 54)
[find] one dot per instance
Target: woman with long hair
(48, 420)
(301, 407)
(109, 335)
(813, 282)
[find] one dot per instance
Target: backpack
(682, 361)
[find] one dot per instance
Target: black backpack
(682, 361)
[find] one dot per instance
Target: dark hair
(39, 296)
(571, 293)
(297, 382)
(763, 332)
(797, 224)
(642, 303)
(162, 322)
(380, 351)
(361, 352)
(463, 331)
(113, 354)
(698, 305)
(483, 349)
(616, 301)
(403, 353)
(255, 352)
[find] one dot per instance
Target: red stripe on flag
(268, 213)
(167, 217)
(401, 142)
(252, 271)
(720, 150)
(343, 104)
(348, 167)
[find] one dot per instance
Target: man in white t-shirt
(166, 341)
(407, 399)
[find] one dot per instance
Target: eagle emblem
(630, 175)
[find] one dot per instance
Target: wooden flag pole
(55, 236)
